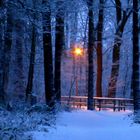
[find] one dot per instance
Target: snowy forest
(57, 50)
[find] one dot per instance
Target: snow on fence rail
(99, 102)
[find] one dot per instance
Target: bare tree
(91, 39)
(59, 44)
(99, 49)
(29, 88)
(121, 17)
(135, 74)
(47, 47)
(2, 94)
(5, 52)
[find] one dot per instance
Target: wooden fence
(99, 102)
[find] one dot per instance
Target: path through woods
(92, 125)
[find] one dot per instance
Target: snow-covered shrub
(15, 124)
(136, 117)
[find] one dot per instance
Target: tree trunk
(48, 65)
(99, 50)
(118, 11)
(2, 95)
(90, 54)
(6, 56)
(121, 22)
(19, 89)
(59, 43)
(29, 88)
(115, 67)
(135, 74)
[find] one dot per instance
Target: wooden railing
(99, 102)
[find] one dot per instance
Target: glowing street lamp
(78, 51)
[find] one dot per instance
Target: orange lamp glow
(78, 51)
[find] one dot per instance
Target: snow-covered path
(92, 125)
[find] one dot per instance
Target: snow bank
(92, 125)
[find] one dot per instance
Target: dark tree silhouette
(48, 65)
(5, 54)
(99, 49)
(29, 88)
(91, 40)
(2, 95)
(59, 43)
(121, 17)
(135, 74)
(18, 63)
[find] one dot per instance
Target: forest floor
(92, 125)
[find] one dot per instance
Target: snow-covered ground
(92, 125)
